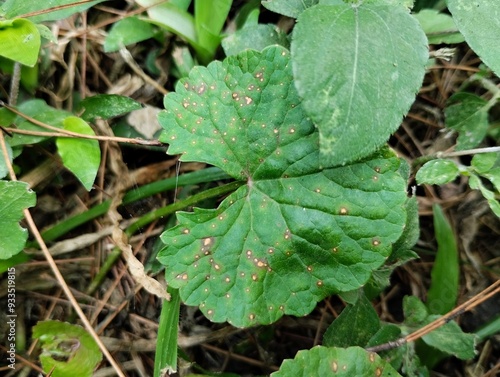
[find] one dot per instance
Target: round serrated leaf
(437, 172)
(14, 198)
(20, 41)
(294, 233)
(81, 156)
(341, 362)
(358, 68)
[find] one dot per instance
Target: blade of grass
(443, 292)
(166, 346)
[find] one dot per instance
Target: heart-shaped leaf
(20, 40)
(294, 233)
(14, 198)
(357, 67)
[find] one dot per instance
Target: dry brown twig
(58, 132)
(57, 273)
(466, 306)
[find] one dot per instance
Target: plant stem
(14, 84)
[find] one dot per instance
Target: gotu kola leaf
(294, 233)
(358, 68)
(14, 198)
(341, 362)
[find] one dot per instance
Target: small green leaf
(357, 67)
(387, 332)
(437, 172)
(467, 114)
(414, 310)
(255, 37)
(67, 349)
(354, 326)
(450, 339)
(40, 111)
(443, 292)
(488, 166)
(439, 27)
(479, 22)
(293, 224)
(81, 156)
(166, 346)
(16, 8)
(476, 184)
(289, 8)
(106, 106)
(126, 32)
(20, 41)
(14, 198)
(484, 162)
(341, 362)
(46, 33)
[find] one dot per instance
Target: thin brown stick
(466, 306)
(64, 133)
(53, 9)
(55, 269)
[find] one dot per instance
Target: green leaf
(14, 198)
(467, 114)
(476, 184)
(341, 362)
(443, 292)
(488, 166)
(67, 348)
(81, 156)
(3, 164)
(439, 27)
(437, 172)
(40, 111)
(357, 68)
(106, 106)
(479, 22)
(20, 41)
(166, 346)
(314, 231)
(15, 8)
(289, 8)
(176, 20)
(450, 339)
(126, 32)
(484, 162)
(46, 33)
(209, 18)
(355, 326)
(386, 333)
(414, 310)
(255, 37)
